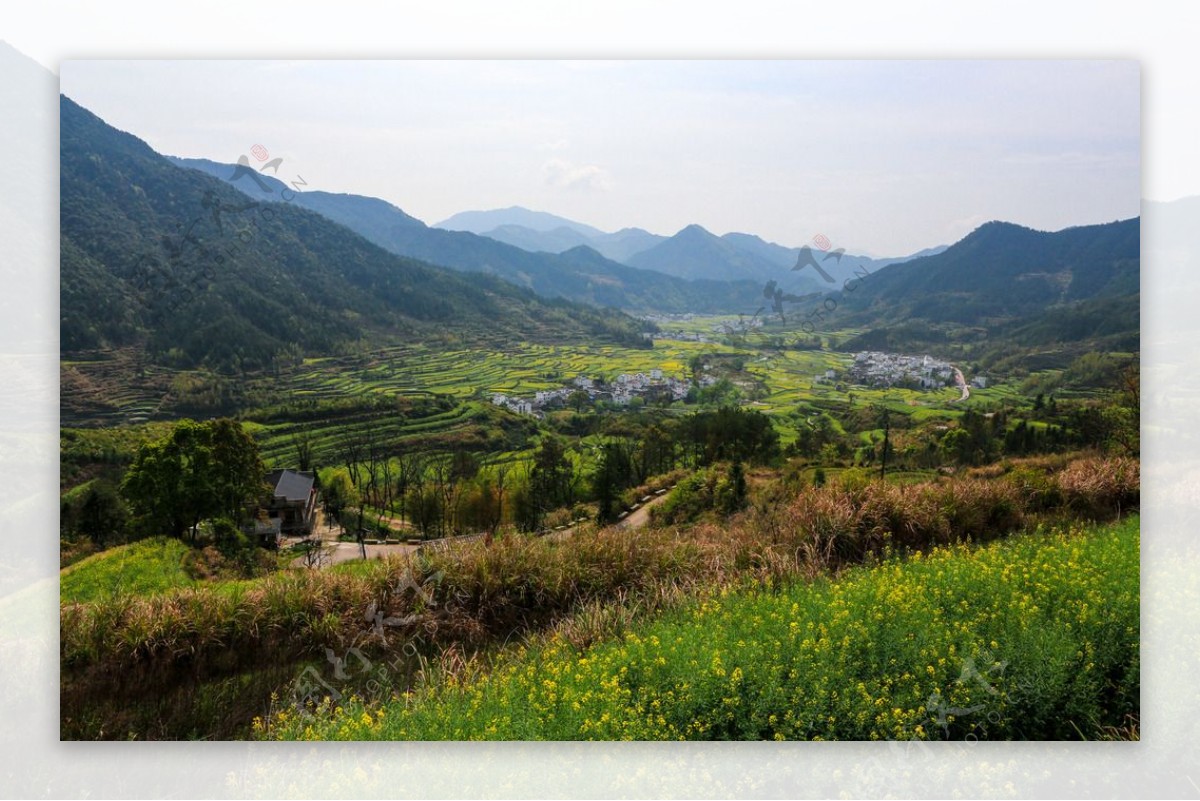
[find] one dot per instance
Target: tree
(886, 448)
(464, 465)
(425, 508)
(552, 478)
(196, 472)
(500, 470)
(732, 494)
(656, 453)
(410, 472)
(302, 441)
(955, 446)
(579, 400)
(1124, 418)
(237, 469)
(730, 433)
(102, 515)
(613, 474)
(527, 510)
(339, 493)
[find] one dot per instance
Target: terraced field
(99, 391)
(428, 398)
(277, 440)
(517, 370)
(462, 380)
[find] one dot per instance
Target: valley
(302, 430)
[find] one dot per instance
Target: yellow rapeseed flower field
(1035, 637)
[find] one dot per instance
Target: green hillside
(179, 261)
(580, 273)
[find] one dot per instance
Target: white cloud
(563, 174)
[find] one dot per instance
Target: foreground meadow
(1034, 637)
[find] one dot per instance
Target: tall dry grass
(474, 594)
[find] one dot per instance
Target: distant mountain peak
(292, 282)
(482, 221)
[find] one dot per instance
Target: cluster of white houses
(678, 336)
(876, 369)
(620, 391)
(682, 336)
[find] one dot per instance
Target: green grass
(462, 380)
(1035, 637)
(147, 567)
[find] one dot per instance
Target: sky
(881, 157)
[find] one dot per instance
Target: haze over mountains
(579, 274)
(328, 268)
(166, 257)
(550, 254)
(692, 253)
(540, 231)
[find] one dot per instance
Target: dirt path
(338, 551)
(640, 516)
(635, 519)
(962, 384)
(397, 525)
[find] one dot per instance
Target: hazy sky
(884, 158)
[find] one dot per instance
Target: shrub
(1038, 488)
(1032, 639)
(691, 497)
(481, 593)
(1099, 487)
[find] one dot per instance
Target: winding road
(962, 384)
(338, 552)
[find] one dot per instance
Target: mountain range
(1007, 283)
(579, 273)
(168, 258)
(322, 270)
(692, 253)
(692, 271)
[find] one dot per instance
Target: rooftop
(291, 485)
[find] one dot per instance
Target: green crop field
(147, 567)
(1036, 637)
(430, 399)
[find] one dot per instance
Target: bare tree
(385, 483)
(410, 474)
(351, 448)
(375, 454)
(442, 477)
(302, 441)
(500, 470)
(317, 555)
